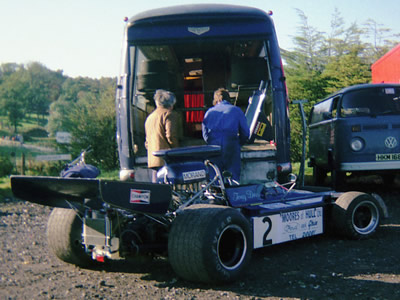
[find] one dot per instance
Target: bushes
(50, 168)
(35, 132)
(6, 166)
(11, 163)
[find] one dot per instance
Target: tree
(59, 119)
(89, 115)
(346, 70)
(380, 39)
(94, 124)
(13, 98)
(7, 69)
(303, 68)
(44, 88)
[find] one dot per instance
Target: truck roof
(198, 11)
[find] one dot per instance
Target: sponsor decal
(194, 175)
(244, 197)
(139, 196)
(290, 216)
(290, 228)
(287, 226)
(199, 30)
(260, 128)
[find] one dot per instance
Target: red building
(387, 68)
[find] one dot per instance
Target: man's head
(220, 95)
(164, 99)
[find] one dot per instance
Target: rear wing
(79, 192)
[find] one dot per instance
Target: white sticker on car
(287, 226)
(139, 196)
(194, 175)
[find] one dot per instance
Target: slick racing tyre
(64, 235)
(210, 244)
(356, 215)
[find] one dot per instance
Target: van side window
(321, 111)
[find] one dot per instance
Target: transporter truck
(192, 51)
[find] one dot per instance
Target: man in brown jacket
(162, 128)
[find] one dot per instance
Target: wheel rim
(365, 217)
(232, 247)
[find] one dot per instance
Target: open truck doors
(192, 51)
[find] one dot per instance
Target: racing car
(206, 225)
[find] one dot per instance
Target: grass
(110, 175)
(15, 150)
(308, 180)
(5, 188)
(29, 121)
(296, 169)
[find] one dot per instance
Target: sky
(84, 37)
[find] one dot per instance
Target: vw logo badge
(390, 142)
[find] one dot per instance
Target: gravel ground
(323, 267)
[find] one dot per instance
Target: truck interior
(193, 71)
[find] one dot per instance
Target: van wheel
(319, 175)
(209, 243)
(356, 215)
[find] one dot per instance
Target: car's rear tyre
(356, 215)
(64, 235)
(210, 243)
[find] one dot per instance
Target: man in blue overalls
(225, 125)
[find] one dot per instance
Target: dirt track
(323, 267)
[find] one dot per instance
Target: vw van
(356, 131)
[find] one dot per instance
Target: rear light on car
(357, 144)
(100, 258)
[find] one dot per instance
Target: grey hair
(164, 98)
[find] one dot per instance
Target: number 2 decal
(266, 241)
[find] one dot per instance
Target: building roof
(388, 55)
(387, 68)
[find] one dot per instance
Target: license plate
(388, 156)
